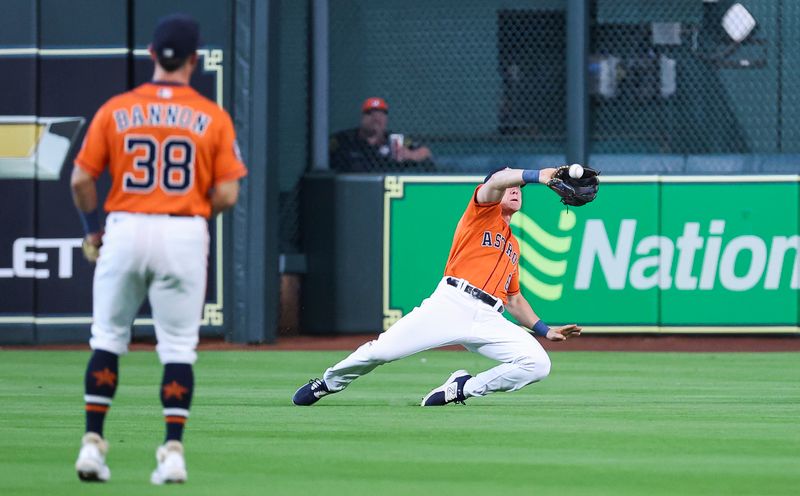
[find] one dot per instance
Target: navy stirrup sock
(100, 384)
(177, 387)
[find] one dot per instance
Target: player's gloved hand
(563, 332)
(91, 246)
(575, 191)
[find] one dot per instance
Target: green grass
(602, 423)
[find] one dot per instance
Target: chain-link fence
(686, 77)
(460, 76)
(482, 82)
(293, 120)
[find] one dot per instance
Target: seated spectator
(372, 148)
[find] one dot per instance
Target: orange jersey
(165, 147)
(484, 250)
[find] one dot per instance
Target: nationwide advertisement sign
(651, 254)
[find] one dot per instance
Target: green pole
(577, 84)
(256, 286)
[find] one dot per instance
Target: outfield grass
(602, 423)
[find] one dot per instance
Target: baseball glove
(575, 192)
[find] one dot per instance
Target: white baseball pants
(451, 316)
(164, 258)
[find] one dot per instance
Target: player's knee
(176, 345)
(535, 368)
(110, 339)
(374, 352)
(544, 367)
(379, 358)
(177, 356)
(176, 353)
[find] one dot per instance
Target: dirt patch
(677, 343)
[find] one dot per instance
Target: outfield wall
(64, 66)
(671, 254)
(653, 254)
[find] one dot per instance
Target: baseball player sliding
(481, 281)
(173, 161)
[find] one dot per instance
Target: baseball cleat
(91, 463)
(171, 467)
(311, 393)
(451, 391)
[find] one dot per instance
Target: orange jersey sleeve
(228, 164)
(165, 146)
(484, 250)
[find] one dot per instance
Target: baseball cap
(176, 37)
(374, 103)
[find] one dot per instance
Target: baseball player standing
(174, 164)
(481, 280)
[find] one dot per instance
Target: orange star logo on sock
(174, 390)
(105, 377)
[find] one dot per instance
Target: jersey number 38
(168, 164)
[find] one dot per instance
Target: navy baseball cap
(495, 170)
(176, 37)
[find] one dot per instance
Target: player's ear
(152, 52)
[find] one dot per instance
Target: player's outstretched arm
(521, 310)
(496, 186)
(519, 307)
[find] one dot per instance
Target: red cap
(374, 103)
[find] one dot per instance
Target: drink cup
(395, 143)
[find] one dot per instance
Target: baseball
(576, 171)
